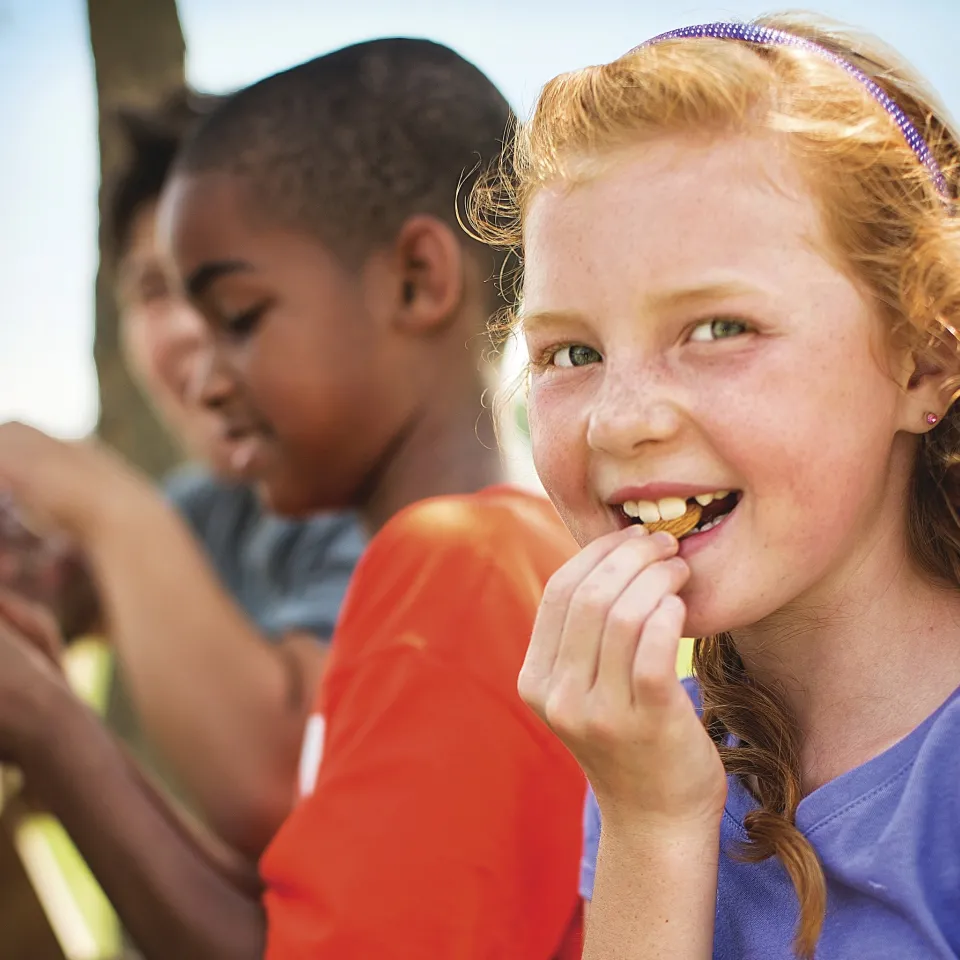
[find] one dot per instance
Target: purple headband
(778, 38)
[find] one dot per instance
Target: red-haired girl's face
(691, 334)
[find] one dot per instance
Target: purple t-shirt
(888, 836)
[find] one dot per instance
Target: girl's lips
(656, 491)
(693, 543)
(676, 515)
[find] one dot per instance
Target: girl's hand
(601, 671)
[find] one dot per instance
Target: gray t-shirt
(288, 575)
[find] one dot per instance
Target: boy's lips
(246, 446)
(246, 454)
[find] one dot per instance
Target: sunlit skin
(794, 398)
(163, 339)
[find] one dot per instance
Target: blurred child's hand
(30, 677)
(34, 623)
(49, 570)
(601, 671)
(61, 485)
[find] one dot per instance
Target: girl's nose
(631, 409)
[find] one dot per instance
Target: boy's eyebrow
(201, 278)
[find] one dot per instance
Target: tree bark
(138, 55)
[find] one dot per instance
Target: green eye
(719, 329)
(575, 355)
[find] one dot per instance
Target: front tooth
(630, 508)
(672, 508)
(647, 511)
(704, 498)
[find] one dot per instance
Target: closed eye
(720, 328)
(243, 324)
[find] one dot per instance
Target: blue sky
(48, 177)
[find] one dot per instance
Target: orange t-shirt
(438, 817)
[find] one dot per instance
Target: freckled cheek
(558, 440)
(800, 466)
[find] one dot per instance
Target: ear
(929, 383)
(431, 274)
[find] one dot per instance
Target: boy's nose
(631, 410)
(211, 384)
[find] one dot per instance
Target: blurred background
(64, 64)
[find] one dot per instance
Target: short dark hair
(351, 144)
(151, 140)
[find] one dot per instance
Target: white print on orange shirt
(311, 753)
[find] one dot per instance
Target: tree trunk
(138, 55)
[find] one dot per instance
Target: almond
(681, 525)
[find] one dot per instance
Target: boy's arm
(232, 730)
(176, 897)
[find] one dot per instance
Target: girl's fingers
(626, 621)
(654, 671)
(544, 645)
(598, 592)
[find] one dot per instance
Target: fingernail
(665, 539)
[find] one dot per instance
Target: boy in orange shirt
(312, 219)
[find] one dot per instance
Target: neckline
(848, 789)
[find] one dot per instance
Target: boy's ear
(930, 382)
(431, 272)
